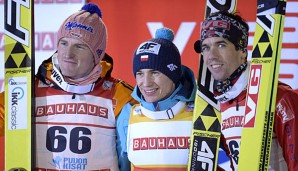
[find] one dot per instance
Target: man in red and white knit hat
(223, 43)
(77, 101)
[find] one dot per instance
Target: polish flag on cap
(144, 58)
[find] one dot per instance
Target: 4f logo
(148, 47)
(252, 96)
(12, 23)
(203, 154)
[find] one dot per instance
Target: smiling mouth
(216, 66)
(148, 92)
(70, 61)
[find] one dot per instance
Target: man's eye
(204, 49)
(139, 73)
(62, 43)
(81, 47)
(155, 73)
(221, 45)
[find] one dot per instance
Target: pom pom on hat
(87, 26)
(160, 54)
(164, 33)
(92, 8)
(197, 46)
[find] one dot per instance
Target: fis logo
(252, 96)
(148, 47)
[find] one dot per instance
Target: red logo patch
(216, 24)
(252, 96)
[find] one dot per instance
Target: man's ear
(197, 46)
(244, 54)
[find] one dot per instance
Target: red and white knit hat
(86, 25)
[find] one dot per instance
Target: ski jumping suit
(157, 139)
(77, 131)
(284, 148)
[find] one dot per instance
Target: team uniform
(77, 131)
(166, 148)
(284, 148)
(162, 136)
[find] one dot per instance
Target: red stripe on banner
(289, 61)
(288, 76)
(289, 29)
(291, 0)
(292, 14)
(290, 45)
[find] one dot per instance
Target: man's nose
(147, 80)
(68, 52)
(213, 53)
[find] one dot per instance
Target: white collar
(236, 89)
(165, 114)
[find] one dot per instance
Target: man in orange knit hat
(77, 101)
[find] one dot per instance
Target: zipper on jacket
(237, 105)
(73, 96)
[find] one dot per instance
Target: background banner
(130, 22)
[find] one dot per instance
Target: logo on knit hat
(73, 25)
(172, 67)
(216, 24)
(148, 47)
(99, 52)
(144, 58)
(220, 25)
